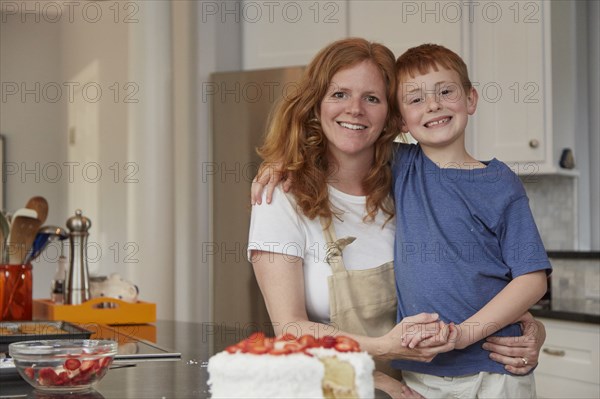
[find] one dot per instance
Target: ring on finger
(525, 361)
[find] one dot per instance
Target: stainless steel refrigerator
(241, 102)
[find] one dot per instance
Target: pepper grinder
(78, 282)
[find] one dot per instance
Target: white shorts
(482, 385)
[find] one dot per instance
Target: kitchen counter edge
(566, 316)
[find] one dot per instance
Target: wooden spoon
(40, 205)
(23, 229)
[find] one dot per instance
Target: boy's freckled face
(435, 107)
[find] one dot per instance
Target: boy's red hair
(422, 59)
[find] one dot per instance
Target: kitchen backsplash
(576, 285)
(553, 202)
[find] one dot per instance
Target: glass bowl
(63, 365)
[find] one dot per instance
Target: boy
(466, 247)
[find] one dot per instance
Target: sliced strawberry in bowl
(63, 365)
(105, 362)
(100, 373)
(47, 376)
(88, 366)
(72, 364)
(62, 378)
(82, 379)
(30, 373)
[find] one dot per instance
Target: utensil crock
(16, 292)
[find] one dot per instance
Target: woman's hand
(519, 354)
(393, 387)
(420, 337)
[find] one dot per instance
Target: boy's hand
(269, 175)
(428, 336)
(439, 339)
(447, 333)
(417, 333)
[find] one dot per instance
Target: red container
(16, 292)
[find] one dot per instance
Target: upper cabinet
(288, 33)
(279, 34)
(511, 72)
(404, 24)
(513, 49)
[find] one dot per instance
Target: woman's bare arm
(281, 280)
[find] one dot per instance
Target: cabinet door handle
(534, 143)
(554, 352)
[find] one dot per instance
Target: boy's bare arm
(269, 175)
(505, 308)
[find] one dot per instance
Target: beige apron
(360, 301)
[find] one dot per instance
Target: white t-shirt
(279, 228)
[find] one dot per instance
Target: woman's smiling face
(354, 110)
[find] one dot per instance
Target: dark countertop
(566, 315)
(569, 310)
(168, 379)
(574, 254)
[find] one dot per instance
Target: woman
(334, 138)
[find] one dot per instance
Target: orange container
(16, 292)
(95, 311)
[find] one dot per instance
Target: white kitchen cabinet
(569, 364)
(278, 34)
(404, 24)
(518, 120)
(285, 33)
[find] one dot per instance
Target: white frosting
(244, 375)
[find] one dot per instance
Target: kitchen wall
(154, 134)
(44, 54)
(44, 50)
(32, 120)
(104, 43)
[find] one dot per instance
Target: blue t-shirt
(462, 235)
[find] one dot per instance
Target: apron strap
(335, 247)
